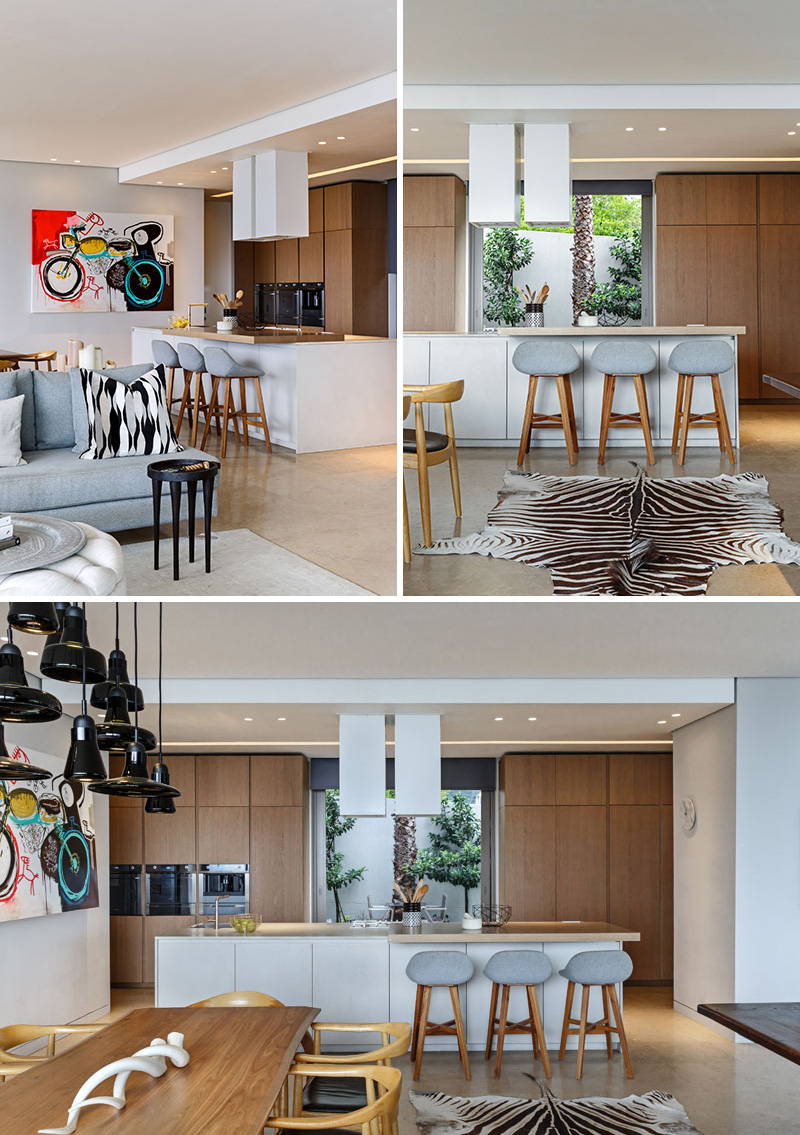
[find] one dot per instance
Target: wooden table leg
(191, 493)
(156, 520)
(208, 504)
(175, 493)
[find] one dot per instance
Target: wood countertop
(273, 338)
(618, 332)
(445, 932)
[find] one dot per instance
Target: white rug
(241, 564)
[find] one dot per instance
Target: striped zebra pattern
(655, 1113)
(128, 419)
(630, 536)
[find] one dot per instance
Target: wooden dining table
(772, 1024)
(238, 1062)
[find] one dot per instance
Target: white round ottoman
(97, 569)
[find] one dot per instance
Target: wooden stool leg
(214, 405)
(605, 418)
(199, 398)
(175, 494)
(571, 407)
(686, 417)
(607, 1021)
(462, 1039)
(156, 521)
(567, 1013)
(644, 414)
(225, 415)
(723, 428)
(263, 413)
(538, 1029)
(501, 1030)
(243, 400)
(525, 437)
(492, 1018)
(415, 1027)
(582, 1030)
(170, 381)
(187, 390)
(191, 494)
(406, 533)
(676, 425)
(623, 1040)
(562, 399)
(421, 1027)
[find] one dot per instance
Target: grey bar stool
(516, 967)
(604, 968)
(193, 364)
(548, 358)
(165, 354)
(223, 368)
(631, 359)
(705, 358)
(432, 968)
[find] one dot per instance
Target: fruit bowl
(245, 923)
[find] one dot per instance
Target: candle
(86, 357)
(73, 348)
(61, 362)
(98, 358)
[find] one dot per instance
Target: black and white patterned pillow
(128, 419)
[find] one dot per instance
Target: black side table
(177, 473)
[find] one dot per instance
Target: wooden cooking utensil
(403, 895)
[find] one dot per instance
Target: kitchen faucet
(216, 912)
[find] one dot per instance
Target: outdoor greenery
(621, 298)
(454, 854)
(336, 876)
(613, 213)
(505, 251)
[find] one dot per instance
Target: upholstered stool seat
(607, 969)
(629, 358)
(705, 358)
(430, 968)
(433, 441)
(223, 368)
(516, 967)
(548, 358)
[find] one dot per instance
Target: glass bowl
(245, 923)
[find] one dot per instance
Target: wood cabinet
(681, 275)
(170, 838)
(635, 881)
(634, 778)
(287, 267)
(529, 865)
(779, 199)
(732, 199)
(278, 864)
(279, 780)
(223, 782)
(311, 258)
(732, 275)
(338, 206)
(581, 778)
(780, 295)
(126, 949)
(223, 835)
(339, 281)
(316, 212)
(528, 778)
(264, 262)
(581, 863)
(356, 259)
(681, 199)
(434, 254)
(125, 834)
(244, 271)
(429, 202)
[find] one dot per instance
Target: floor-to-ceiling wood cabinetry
(727, 254)
(589, 837)
(434, 254)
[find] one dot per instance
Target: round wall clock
(688, 813)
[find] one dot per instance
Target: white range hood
(495, 174)
(270, 196)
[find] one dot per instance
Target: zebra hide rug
(655, 1113)
(630, 535)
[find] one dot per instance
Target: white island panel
(185, 974)
(279, 967)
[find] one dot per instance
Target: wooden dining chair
(377, 1117)
(37, 357)
(346, 1094)
(406, 532)
(423, 448)
(247, 998)
(15, 1067)
(7, 364)
(12, 1036)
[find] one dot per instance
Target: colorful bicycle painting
(47, 847)
(88, 262)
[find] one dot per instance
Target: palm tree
(583, 281)
(405, 849)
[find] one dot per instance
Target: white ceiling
(109, 84)
(600, 41)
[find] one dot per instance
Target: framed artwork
(85, 261)
(48, 859)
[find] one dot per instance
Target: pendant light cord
(160, 663)
(116, 641)
(83, 663)
(136, 663)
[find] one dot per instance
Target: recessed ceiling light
(54, 159)
(675, 715)
(322, 143)
(281, 719)
(213, 171)
(662, 129)
(180, 183)
(248, 719)
(531, 719)
(76, 161)
(159, 183)
(340, 138)
(628, 129)
(498, 719)
(661, 723)
(33, 653)
(226, 167)
(415, 129)
(790, 132)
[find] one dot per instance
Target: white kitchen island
(492, 408)
(353, 974)
(321, 392)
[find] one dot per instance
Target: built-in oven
(225, 885)
(265, 300)
(312, 305)
(170, 888)
(126, 888)
(288, 305)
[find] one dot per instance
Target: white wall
(59, 964)
(27, 185)
(704, 768)
(218, 246)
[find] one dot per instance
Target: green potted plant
(504, 253)
(454, 855)
(590, 309)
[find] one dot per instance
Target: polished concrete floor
(338, 509)
(770, 445)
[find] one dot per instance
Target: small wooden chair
(37, 357)
(604, 968)
(423, 448)
(706, 358)
(378, 1116)
(406, 532)
(548, 358)
(11, 1036)
(347, 1094)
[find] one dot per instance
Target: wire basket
(491, 914)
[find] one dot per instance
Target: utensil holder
(412, 914)
(232, 314)
(534, 315)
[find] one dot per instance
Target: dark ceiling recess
(457, 772)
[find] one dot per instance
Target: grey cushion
(220, 364)
(546, 356)
(52, 399)
(12, 383)
(702, 356)
(10, 427)
(624, 356)
(164, 352)
(440, 967)
(190, 358)
(80, 417)
(598, 967)
(518, 967)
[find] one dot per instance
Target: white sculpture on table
(152, 1060)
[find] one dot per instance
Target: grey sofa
(113, 494)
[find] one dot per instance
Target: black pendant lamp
(135, 780)
(165, 805)
(84, 759)
(116, 730)
(33, 618)
(117, 676)
(18, 770)
(18, 701)
(71, 659)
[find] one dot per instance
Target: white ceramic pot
(225, 325)
(469, 922)
(588, 321)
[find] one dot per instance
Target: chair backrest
(383, 1097)
(438, 392)
(11, 1036)
(395, 1041)
(406, 404)
(241, 998)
